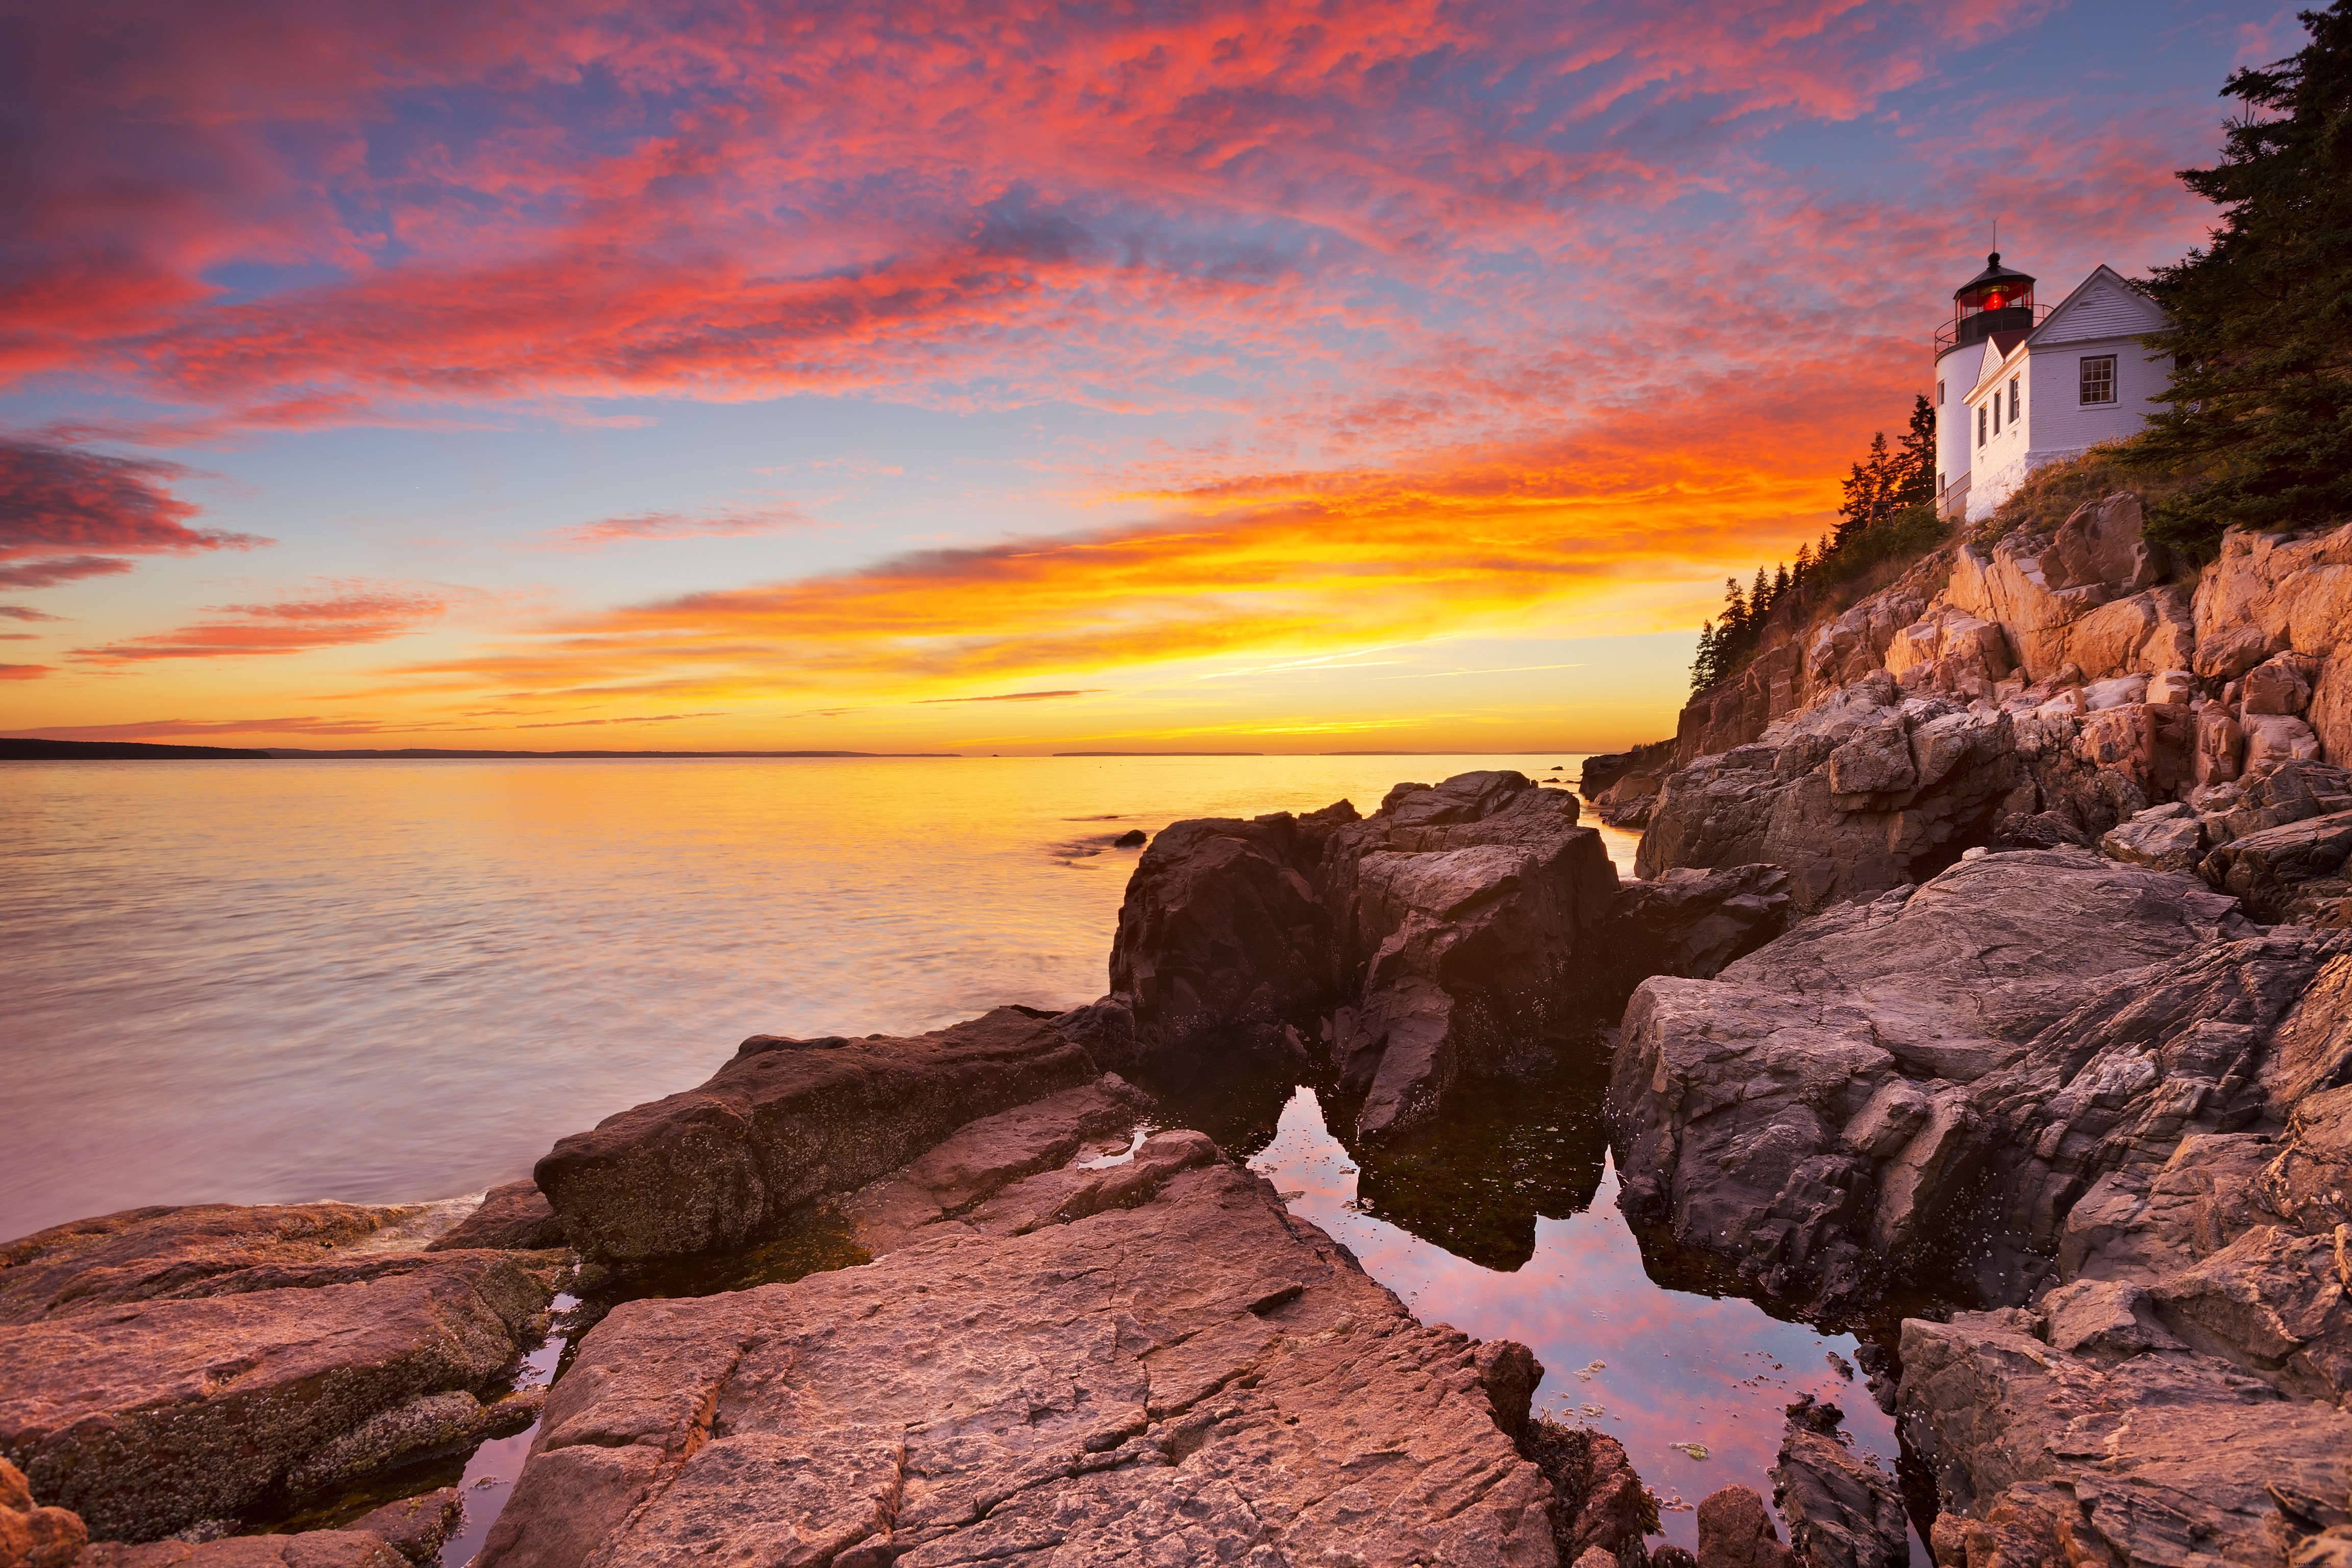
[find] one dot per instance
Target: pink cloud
(722, 523)
(365, 615)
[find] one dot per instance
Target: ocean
(391, 979)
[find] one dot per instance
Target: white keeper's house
(2020, 384)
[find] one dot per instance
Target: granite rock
(516, 1217)
(786, 1123)
(308, 1548)
(1843, 1511)
(1200, 1375)
(415, 1527)
(171, 1390)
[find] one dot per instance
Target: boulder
(1200, 1377)
(786, 1123)
(1430, 941)
(2166, 1456)
(416, 1527)
(1458, 912)
(2275, 870)
(2309, 1182)
(1821, 1103)
(1735, 1532)
(2168, 837)
(2269, 593)
(514, 1217)
(1223, 934)
(1843, 1511)
(199, 1397)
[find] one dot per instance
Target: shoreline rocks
(784, 1123)
(1199, 1372)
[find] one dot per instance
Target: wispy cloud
(356, 613)
(718, 522)
(1014, 696)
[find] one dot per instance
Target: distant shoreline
(33, 749)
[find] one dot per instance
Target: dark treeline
(1889, 508)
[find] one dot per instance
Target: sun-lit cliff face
(874, 376)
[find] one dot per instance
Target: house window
(1939, 392)
(1981, 424)
(1996, 412)
(2012, 399)
(2099, 378)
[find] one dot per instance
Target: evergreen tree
(2261, 384)
(1704, 669)
(1869, 490)
(1915, 459)
(1782, 583)
(1759, 598)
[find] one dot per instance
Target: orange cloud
(25, 672)
(300, 625)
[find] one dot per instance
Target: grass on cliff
(2052, 494)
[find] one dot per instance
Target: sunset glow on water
(383, 980)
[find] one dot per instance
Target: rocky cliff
(2053, 686)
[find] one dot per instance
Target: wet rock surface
(1199, 1375)
(785, 1122)
(178, 1366)
(312, 1549)
(516, 1217)
(1842, 1509)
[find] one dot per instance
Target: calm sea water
(268, 982)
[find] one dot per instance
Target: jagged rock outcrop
(1825, 1101)
(2047, 1451)
(2091, 1095)
(1736, 1531)
(784, 1123)
(416, 1527)
(1865, 792)
(168, 1366)
(1200, 1377)
(2095, 689)
(2270, 594)
(1428, 941)
(1843, 1511)
(1457, 911)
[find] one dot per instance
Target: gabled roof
(2102, 305)
(1998, 350)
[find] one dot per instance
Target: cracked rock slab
(1198, 1378)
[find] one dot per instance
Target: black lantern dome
(1998, 300)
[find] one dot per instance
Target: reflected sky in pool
(1650, 1366)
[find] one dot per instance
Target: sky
(1399, 374)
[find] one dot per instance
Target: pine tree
(1703, 668)
(1759, 598)
(2262, 381)
(1915, 459)
(1782, 583)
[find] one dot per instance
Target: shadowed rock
(1844, 1512)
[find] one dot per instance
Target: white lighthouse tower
(2019, 385)
(1995, 305)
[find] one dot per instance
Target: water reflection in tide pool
(1650, 1366)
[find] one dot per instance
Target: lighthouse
(1998, 304)
(2019, 385)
